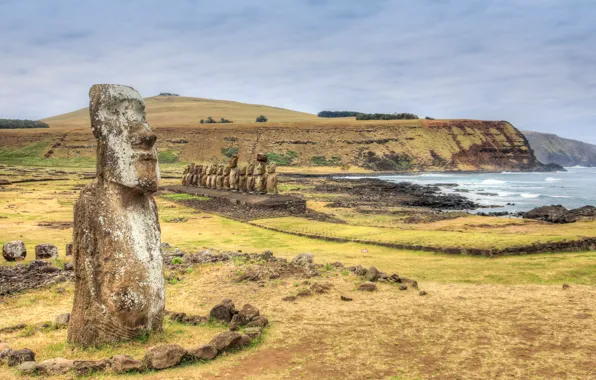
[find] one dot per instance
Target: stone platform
(287, 203)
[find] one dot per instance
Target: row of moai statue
(259, 178)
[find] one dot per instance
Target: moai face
(234, 161)
(126, 144)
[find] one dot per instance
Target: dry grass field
(483, 318)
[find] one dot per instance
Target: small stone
(62, 319)
(14, 250)
(125, 363)
(359, 271)
(68, 266)
(245, 340)
(367, 287)
(394, 278)
(304, 293)
(372, 274)
(46, 251)
(204, 352)
(85, 367)
(56, 366)
(303, 259)
(165, 356)
(403, 287)
(223, 311)
(246, 314)
(253, 332)
(289, 298)
(260, 321)
(346, 298)
(19, 356)
(566, 286)
(423, 293)
(60, 290)
(28, 368)
(226, 340)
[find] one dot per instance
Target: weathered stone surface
(166, 356)
(226, 341)
(346, 298)
(360, 271)
(423, 293)
(204, 352)
(69, 249)
(46, 251)
(242, 178)
(403, 287)
(233, 178)
(125, 363)
(260, 176)
(28, 368)
(372, 274)
(250, 178)
(19, 356)
(5, 352)
(119, 287)
(62, 319)
(14, 250)
(271, 179)
(85, 367)
(245, 340)
(223, 311)
(303, 259)
(253, 332)
(246, 314)
(367, 287)
(553, 214)
(260, 321)
(53, 367)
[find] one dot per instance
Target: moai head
(234, 161)
(126, 151)
(271, 168)
(242, 170)
(220, 169)
(250, 169)
(261, 157)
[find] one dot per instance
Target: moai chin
(271, 179)
(119, 283)
(259, 174)
(234, 173)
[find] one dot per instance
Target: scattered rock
(552, 214)
(69, 266)
(165, 356)
(394, 278)
(304, 293)
(423, 293)
(14, 250)
(19, 356)
(86, 367)
(260, 321)
(403, 287)
(53, 367)
(28, 368)
(245, 340)
(223, 311)
(346, 298)
(367, 287)
(253, 332)
(125, 363)
(69, 249)
(372, 274)
(62, 319)
(246, 314)
(204, 352)
(303, 259)
(360, 271)
(566, 286)
(46, 251)
(226, 341)
(320, 288)
(289, 298)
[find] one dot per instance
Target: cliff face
(430, 145)
(550, 148)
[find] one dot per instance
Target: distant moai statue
(234, 173)
(213, 177)
(119, 283)
(226, 177)
(204, 175)
(209, 176)
(220, 177)
(250, 179)
(271, 179)
(197, 175)
(185, 174)
(259, 174)
(241, 179)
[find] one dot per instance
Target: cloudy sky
(531, 62)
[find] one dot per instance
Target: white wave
(492, 182)
(559, 196)
(577, 167)
(505, 193)
(529, 195)
(551, 179)
(436, 175)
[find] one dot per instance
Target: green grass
(33, 155)
(283, 159)
(184, 197)
(168, 156)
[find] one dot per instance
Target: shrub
(261, 119)
(283, 159)
(224, 121)
(386, 116)
(21, 124)
(229, 152)
(338, 114)
(167, 156)
(323, 161)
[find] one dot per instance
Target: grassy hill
(180, 111)
(565, 152)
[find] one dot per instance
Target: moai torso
(250, 179)
(220, 177)
(241, 184)
(271, 179)
(184, 175)
(204, 176)
(234, 173)
(259, 174)
(226, 177)
(119, 283)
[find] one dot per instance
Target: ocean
(513, 190)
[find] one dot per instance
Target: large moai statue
(260, 174)
(220, 177)
(241, 184)
(226, 177)
(250, 179)
(119, 282)
(271, 179)
(234, 173)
